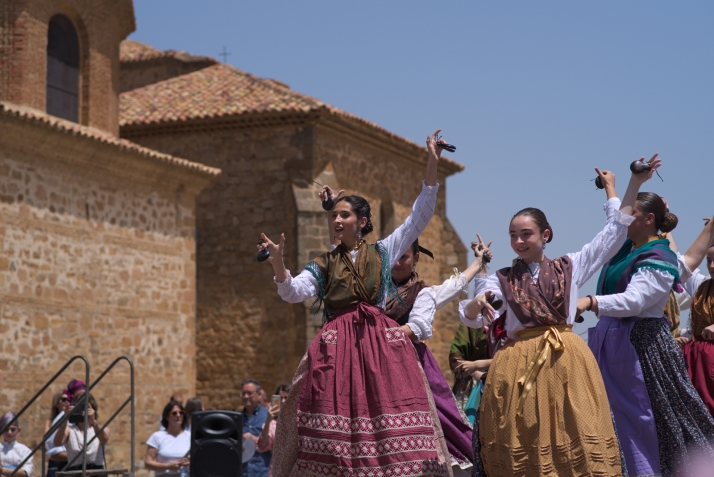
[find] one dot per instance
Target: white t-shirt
(170, 448)
(13, 453)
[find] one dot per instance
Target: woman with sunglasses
(544, 409)
(167, 450)
(57, 454)
(359, 389)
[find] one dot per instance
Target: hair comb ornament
(445, 145)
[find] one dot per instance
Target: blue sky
(533, 94)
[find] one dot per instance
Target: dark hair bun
(367, 228)
(669, 222)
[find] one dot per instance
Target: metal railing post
(64, 418)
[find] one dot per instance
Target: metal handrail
(130, 399)
(61, 421)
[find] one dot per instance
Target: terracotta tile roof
(68, 127)
(131, 51)
(220, 91)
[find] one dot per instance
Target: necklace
(357, 245)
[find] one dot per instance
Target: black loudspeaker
(216, 444)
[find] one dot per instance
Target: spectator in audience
(264, 399)
(13, 453)
(57, 455)
(71, 435)
(267, 437)
(192, 405)
(254, 416)
(175, 397)
(167, 450)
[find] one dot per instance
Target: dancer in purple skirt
(414, 310)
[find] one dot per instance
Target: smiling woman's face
(526, 238)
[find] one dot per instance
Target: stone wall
(243, 328)
(100, 25)
(96, 258)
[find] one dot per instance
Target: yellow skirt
(562, 425)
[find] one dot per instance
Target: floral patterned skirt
(360, 405)
(684, 426)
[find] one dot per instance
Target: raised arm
(458, 283)
(608, 241)
(636, 180)
(698, 250)
(422, 211)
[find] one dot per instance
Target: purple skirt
(627, 393)
(456, 433)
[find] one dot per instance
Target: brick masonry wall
(100, 25)
(243, 328)
(92, 262)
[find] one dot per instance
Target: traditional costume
(544, 410)
(415, 307)
(659, 417)
(699, 353)
(360, 404)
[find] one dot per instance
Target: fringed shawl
(398, 307)
(544, 303)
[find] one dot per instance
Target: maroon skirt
(699, 356)
(363, 406)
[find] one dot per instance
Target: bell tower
(62, 57)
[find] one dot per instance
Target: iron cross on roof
(224, 54)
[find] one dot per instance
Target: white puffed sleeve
(422, 211)
(449, 290)
(645, 296)
(604, 246)
(422, 315)
(490, 283)
(298, 289)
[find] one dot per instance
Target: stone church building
(134, 185)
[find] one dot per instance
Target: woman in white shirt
(167, 450)
(57, 455)
(660, 419)
(544, 390)
(71, 436)
(13, 453)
